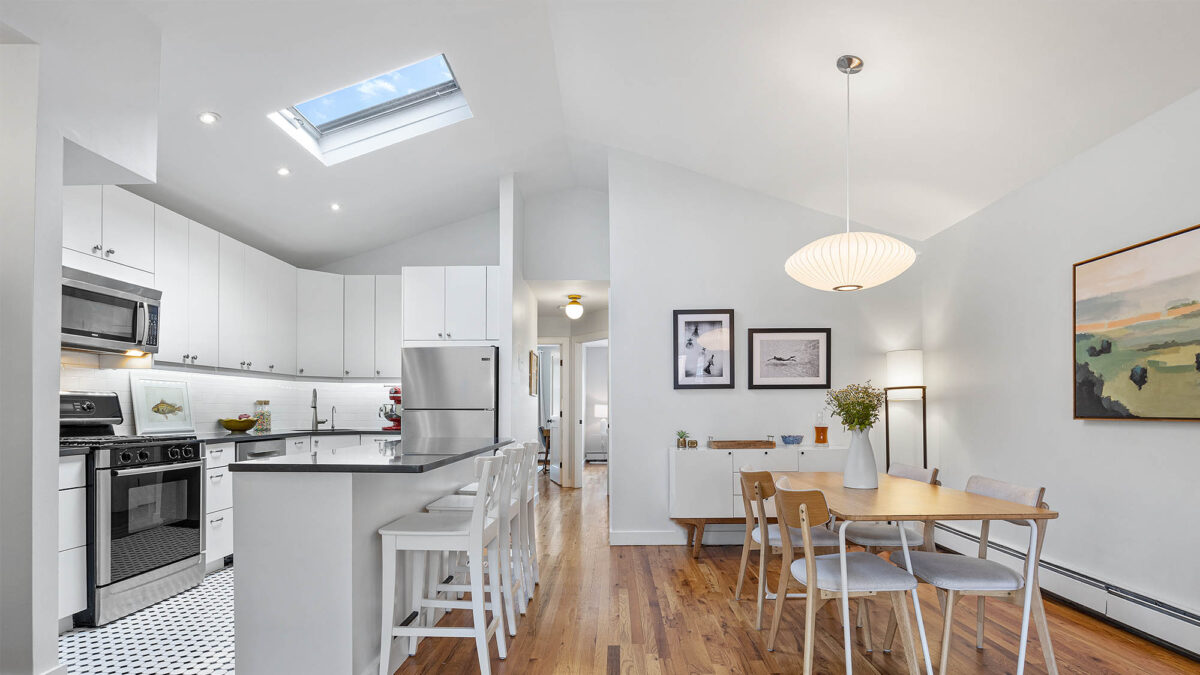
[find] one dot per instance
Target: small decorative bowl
(792, 439)
(238, 425)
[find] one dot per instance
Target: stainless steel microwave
(105, 315)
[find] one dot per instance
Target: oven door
(147, 517)
(106, 315)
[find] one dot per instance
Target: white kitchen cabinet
(81, 219)
(72, 535)
(466, 303)
(231, 291)
(218, 494)
(204, 247)
(127, 223)
(171, 235)
(217, 455)
(257, 332)
(281, 315)
(72, 518)
(72, 581)
(297, 445)
(370, 440)
(325, 443)
(72, 472)
(218, 541)
(493, 302)
(389, 324)
(424, 303)
(358, 326)
(699, 486)
(319, 315)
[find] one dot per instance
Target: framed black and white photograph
(703, 348)
(789, 358)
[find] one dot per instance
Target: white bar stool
(529, 504)
(421, 534)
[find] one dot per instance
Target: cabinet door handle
(215, 476)
(271, 367)
(214, 521)
(216, 451)
(447, 335)
(243, 364)
(377, 372)
(347, 372)
(301, 371)
(194, 357)
(97, 248)
(185, 357)
(439, 335)
(248, 364)
(110, 251)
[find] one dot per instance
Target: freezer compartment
(456, 378)
(449, 424)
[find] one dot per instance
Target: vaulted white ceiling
(959, 103)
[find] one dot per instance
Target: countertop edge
(441, 461)
(275, 435)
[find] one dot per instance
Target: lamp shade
(573, 308)
(905, 368)
(601, 410)
(850, 261)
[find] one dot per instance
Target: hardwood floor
(655, 609)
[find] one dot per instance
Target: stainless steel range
(145, 508)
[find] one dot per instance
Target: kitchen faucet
(315, 422)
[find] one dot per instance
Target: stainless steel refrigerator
(449, 391)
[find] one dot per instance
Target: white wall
(518, 314)
(566, 235)
(558, 325)
(684, 241)
(474, 241)
(998, 349)
(595, 386)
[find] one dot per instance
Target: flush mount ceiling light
(283, 171)
(850, 261)
(335, 207)
(573, 308)
(208, 117)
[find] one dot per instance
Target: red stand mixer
(391, 411)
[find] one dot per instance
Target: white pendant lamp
(573, 308)
(850, 261)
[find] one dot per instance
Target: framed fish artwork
(160, 406)
(789, 358)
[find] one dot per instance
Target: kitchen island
(307, 549)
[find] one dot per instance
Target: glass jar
(821, 429)
(263, 414)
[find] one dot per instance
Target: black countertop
(242, 436)
(411, 456)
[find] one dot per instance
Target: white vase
(860, 471)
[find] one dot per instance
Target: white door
(257, 331)
(319, 315)
(358, 331)
(493, 303)
(171, 233)
(389, 324)
(281, 313)
(424, 303)
(231, 319)
(203, 294)
(466, 303)
(128, 224)
(81, 219)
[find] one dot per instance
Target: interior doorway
(551, 402)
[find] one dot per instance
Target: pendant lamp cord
(847, 151)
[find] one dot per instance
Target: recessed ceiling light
(209, 117)
(335, 207)
(283, 171)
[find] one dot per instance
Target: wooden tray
(741, 445)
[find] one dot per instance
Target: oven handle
(134, 471)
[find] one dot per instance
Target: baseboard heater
(1166, 609)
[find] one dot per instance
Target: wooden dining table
(901, 500)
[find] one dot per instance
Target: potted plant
(682, 437)
(857, 405)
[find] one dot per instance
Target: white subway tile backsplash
(219, 395)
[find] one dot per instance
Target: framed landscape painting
(1137, 331)
(703, 351)
(789, 358)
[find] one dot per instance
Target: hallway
(657, 610)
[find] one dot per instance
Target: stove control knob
(189, 451)
(143, 455)
(173, 453)
(126, 457)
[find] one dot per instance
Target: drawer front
(779, 459)
(72, 472)
(72, 518)
(219, 495)
(218, 455)
(371, 439)
(822, 459)
(297, 445)
(333, 442)
(219, 535)
(72, 581)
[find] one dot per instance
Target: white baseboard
(675, 537)
(56, 670)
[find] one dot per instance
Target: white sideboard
(705, 484)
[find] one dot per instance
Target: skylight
(377, 112)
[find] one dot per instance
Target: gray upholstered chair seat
(864, 571)
(961, 573)
(882, 534)
(820, 536)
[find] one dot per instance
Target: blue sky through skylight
(380, 89)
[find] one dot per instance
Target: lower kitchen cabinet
(334, 442)
(220, 490)
(297, 445)
(218, 503)
(72, 535)
(218, 531)
(72, 581)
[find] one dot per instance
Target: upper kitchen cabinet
(493, 302)
(203, 270)
(257, 330)
(319, 316)
(171, 234)
(127, 223)
(81, 219)
(389, 324)
(358, 327)
(231, 291)
(445, 303)
(281, 317)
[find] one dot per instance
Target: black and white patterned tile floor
(187, 634)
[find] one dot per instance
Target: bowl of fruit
(242, 423)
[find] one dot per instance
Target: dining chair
(758, 491)
(841, 575)
(959, 575)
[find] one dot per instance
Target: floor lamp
(906, 382)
